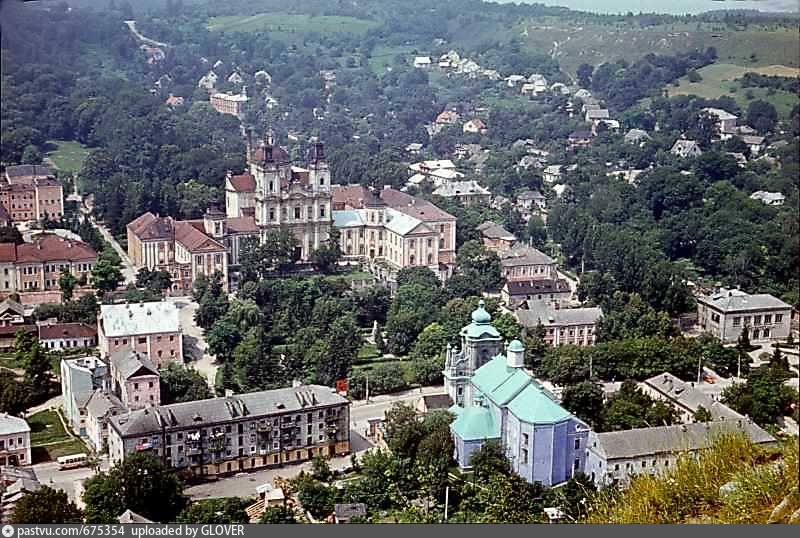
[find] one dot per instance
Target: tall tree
(46, 506)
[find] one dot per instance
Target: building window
(778, 318)
(322, 211)
(766, 333)
(271, 213)
(577, 444)
(523, 455)
(737, 321)
(757, 320)
(198, 260)
(767, 318)
(297, 212)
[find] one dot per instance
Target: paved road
(194, 344)
(49, 475)
(134, 31)
(128, 273)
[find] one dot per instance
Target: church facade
(497, 400)
(278, 193)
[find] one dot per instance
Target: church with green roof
(496, 399)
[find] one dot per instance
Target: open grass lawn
(383, 56)
(368, 352)
(721, 79)
(67, 156)
(41, 454)
(289, 24)
(46, 428)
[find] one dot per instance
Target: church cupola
(480, 316)
(515, 354)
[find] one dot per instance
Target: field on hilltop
(289, 23)
(576, 41)
(722, 79)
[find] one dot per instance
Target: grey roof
(29, 170)
(458, 188)
(128, 363)
(530, 195)
(524, 255)
(738, 301)
(690, 397)
(683, 437)
(11, 424)
(219, 410)
(102, 403)
(564, 316)
(635, 135)
(139, 318)
(346, 511)
(599, 114)
(494, 231)
(14, 306)
(437, 401)
(129, 516)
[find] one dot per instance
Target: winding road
(143, 39)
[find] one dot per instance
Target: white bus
(72, 461)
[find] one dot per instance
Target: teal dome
(480, 315)
(516, 346)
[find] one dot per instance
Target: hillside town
(511, 301)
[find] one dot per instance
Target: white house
(422, 62)
(768, 198)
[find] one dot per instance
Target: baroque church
(277, 192)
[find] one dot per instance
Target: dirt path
(143, 39)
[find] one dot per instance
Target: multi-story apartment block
(79, 380)
(237, 433)
(726, 313)
(152, 329)
(31, 192)
(543, 442)
(58, 336)
(615, 457)
(576, 326)
(99, 410)
(522, 262)
(37, 266)
(15, 441)
(134, 379)
(187, 249)
(390, 230)
(532, 277)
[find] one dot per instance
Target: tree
(156, 281)
(140, 483)
(474, 261)
(14, 396)
(630, 408)
(66, 282)
(573, 496)
(105, 275)
(212, 301)
(320, 469)
(215, 511)
(277, 515)
(435, 454)
(584, 73)
(10, 234)
(762, 116)
(702, 415)
(315, 496)
(510, 499)
(763, 397)
(37, 367)
(585, 400)
(31, 155)
(179, 384)
(327, 256)
(403, 431)
(489, 460)
(46, 506)
(254, 366)
(537, 233)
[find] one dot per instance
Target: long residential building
(390, 230)
(31, 192)
(236, 433)
(37, 265)
(615, 457)
(576, 326)
(727, 313)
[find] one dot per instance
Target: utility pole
(446, 501)
(699, 368)
(367, 388)
(590, 367)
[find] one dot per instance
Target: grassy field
(575, 42)
(721, 79)
(284, 23)
(49, 440)
(67, 156)
(383, 56)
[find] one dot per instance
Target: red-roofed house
(37, 266)
(57, 336)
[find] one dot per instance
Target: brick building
(31, 192)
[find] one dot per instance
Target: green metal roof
(532, 405)
(516, 345)
(475, 423)
(480, 315)
(516, 389)
(480, 330)
(456, 409)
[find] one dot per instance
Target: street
(50, 475)
(194, 345)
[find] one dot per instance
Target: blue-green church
(495, 398)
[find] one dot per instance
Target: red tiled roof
(242, 224)
(11, 330)
(279, 155)
(354, 196)
(194, 240)
(243, 183)
(351, 196)
(66, 330)
(149, 226)
(8, 252)
(50, 248)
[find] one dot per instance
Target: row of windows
(757, 320)
(298, 213)
(141, 340)
(68, 343)
(20, 443)
(198, 260)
